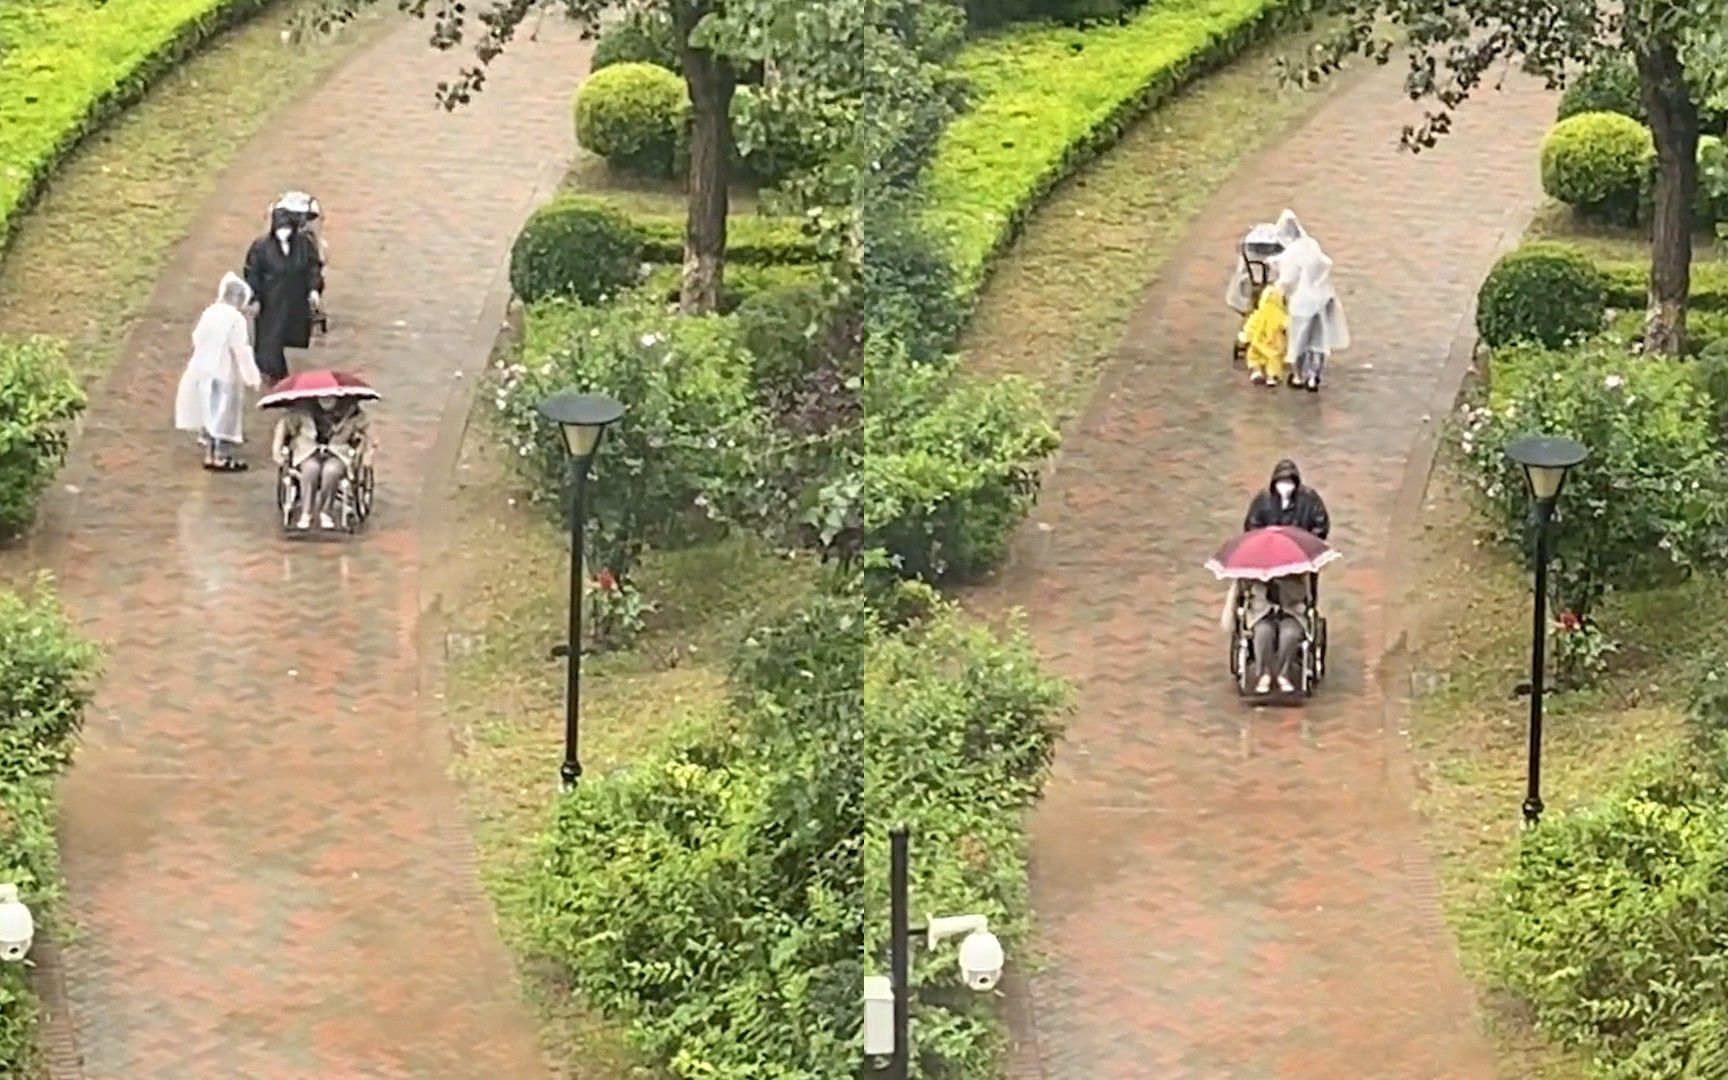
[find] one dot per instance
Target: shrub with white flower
(1651, 499)
(680, 459)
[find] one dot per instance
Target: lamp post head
(1546, 459)
(17, 927)
(582, 417)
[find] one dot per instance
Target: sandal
(230, 465)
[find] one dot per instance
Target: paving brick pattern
(269, 868)
(1223, 892)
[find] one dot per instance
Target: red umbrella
(316, 384)
(1275, 552)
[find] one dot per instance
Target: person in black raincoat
(287, 277)
(1285, 501)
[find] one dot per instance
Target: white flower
(1613, 382)
(650, 340)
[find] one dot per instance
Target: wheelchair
(350, 507)
(1309, 664)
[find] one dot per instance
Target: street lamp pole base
(1532, 810)
(569, 773)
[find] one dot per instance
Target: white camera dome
(981, 960)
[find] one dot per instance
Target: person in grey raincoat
(286, 273)
(1317, 326)
(211, 394)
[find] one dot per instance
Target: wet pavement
(269, 868)
(1224, 892)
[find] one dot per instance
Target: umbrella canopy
(1275, 552)
(316, 384)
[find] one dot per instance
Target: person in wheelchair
(323, 442)
(1275, 619)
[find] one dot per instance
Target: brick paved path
(1226, 892)
(268, 864)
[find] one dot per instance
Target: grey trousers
(1276, 639)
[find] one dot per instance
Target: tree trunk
(1674, 127)
(712, 83)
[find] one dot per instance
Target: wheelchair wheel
(366, 492)
(1240, 664)
(1320, 649)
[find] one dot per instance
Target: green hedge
(1543, 292)
(751, 239)
(45, 679)
(66, 66)
(1629, 285)
(634, 116)
(1046, 99)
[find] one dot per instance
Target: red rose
(605, 581)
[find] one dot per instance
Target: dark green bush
(1542, 292)
(1596, 163)
(1612, 922)
(632, 115)
(911, 296)
(1608, 85)
(578, 248)
(643, 36)
(46, 674)
(950, 470)
(775, 141)
(785, 330)
(685, 454)
(39, 399)
(985, 14)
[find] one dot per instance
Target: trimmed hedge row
(1629, 285)
(586, 247)
(1046, 99)
(67, 67)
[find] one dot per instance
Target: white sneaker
(304, 523)
(325, 521)
(1256, 378)
(1264, 685)
(1285, 685)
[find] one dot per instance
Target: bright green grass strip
(66, 65)
(1046, 98)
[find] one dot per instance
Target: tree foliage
(1455, 47)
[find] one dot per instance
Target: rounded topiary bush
(631, 115)
(639, 39)
(1595, 163)
(784, 329)
(1609, 84)
(1547, 293)
(575, 247)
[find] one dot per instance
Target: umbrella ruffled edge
(288, 397)
(1306, 566)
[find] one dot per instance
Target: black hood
(1285, 470)
(280, 218)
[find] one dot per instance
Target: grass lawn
(508, 588)
(84, 261)
(1468, 731)
(633, 194)
(1058, 301)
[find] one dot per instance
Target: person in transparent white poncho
(211, 398)
(1317, 327)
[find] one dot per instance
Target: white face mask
(284, 233)
(1285, 489)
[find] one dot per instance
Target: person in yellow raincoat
(1264, 333)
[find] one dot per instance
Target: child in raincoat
(1264, 334)
(210, 397)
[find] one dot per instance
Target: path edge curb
(1394, 668)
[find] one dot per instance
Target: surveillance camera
(17, 928)
(981, 960)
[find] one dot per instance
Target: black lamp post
(900, 951)
(1545, 460)
(583, 419)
